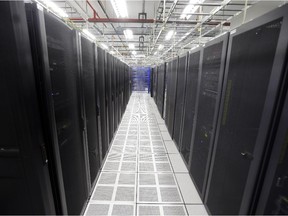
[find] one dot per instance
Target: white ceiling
(211, 19)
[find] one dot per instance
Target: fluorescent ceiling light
(51, 5)
(89, 34)
(155, 53)
(169, 35)
(104, 46)
(160, 47)
(120, 8)
(128, 33)
(140, 56)
(112, 52)
(134, 52)
(191, 8)
(131, 46)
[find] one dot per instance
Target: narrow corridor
(144, 173)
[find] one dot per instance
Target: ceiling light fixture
(134, 52)
(190, 9)
(160, 47)
(155, 53)
(169, 35)
(131, 46)
(89, 34)
(104, 46)
(51, 5)
(128, 33)
(120, 8)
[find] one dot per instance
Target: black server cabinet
(116, 106)
(151, 82)
(181, 85)
(89, 89)
(58, 70)
(113, 85)
(255, 62)
(168, 97)
(101, 94)
(192, 86)
(165, 91)
(160, 87)
(110, 101)
(24, 180)
(155, 75)
(207, 107)
(274, 193)
(171, 95)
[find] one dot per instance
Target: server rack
(208, 101)
(25, 183)
(273, 191)
(181, 85)
(155, 75)
(171, 95)
(58, 71)
(116, 93)
(252, 84)
(191, 93)
(101, 94)
(87, 56)
(160, 87)
(110, 112)
(151, 82)
(165, 91)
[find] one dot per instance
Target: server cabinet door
(164, 91)
(255, 61)
(192, 84)
(24, 177)
(89, 87)
(160, 88)
(181, 85)
(151, 82)
(274, 193)
(213, 62)
(109, 96)
(155, 80)
(100, 78)
(64, 73)
(172, 94)
(168, 97)
(116, 93)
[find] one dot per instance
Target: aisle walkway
(144, 173)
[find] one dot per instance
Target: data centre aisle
(144, 173)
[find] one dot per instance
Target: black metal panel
(172, 88)
(168, 98)
(155, 81)
(62, 54)
(181, 85)
(213, 62)
(100, 79)
(192, 84)
(256, 58)
(88, 75)
(109, 96)
(116, 113)
(25, 187)
(160, 87)
(151, 82)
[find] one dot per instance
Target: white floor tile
(188, 190)
(177, 163)
(166, 136)
(171, 147)
(144, 172)
(196, 210)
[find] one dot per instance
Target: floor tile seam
(179, 189)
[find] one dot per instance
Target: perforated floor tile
(137, 177)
